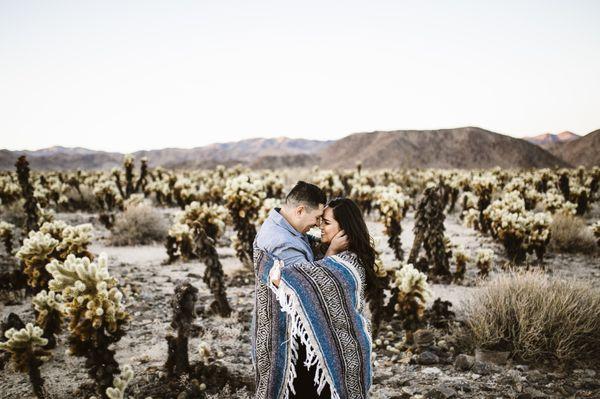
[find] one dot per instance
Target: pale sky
(132, 75)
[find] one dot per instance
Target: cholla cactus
(96, 313)
(184, 312)
(429, 232)
(9, 190)
(49, 309)
(554, 201)
(31, 205)
(117, 391)
(54, 240)
(244, 198)
(26, 349)
(180, 238)
(410, 293)
(6, 235)
(107, 195)
(460, 257)
(330, 183)
(36, 252)
(390, 202)
(519, 230)
(211, 217)
(483, 186)
(483, 260)
(72, 239)
(180, 242)
(213, 274)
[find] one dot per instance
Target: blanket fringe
(289, 303)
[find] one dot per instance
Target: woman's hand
(339, 243)
(275, 274)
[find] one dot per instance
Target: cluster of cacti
(131, 186)
(244, 197)
(483, 186)
(273, 185)
(554, 202)
(484, 259)
(362, 190)
(49, 309)
(26, 347)
(180, 237)
(183, 304)
(330, 183)
(520, 231)
(429, 232)
(266, 207)
(392, 204)
(93, 304)
(9, 190)
(7, 235)
(54, 240)
(410, 293)
(107, 195)
(184, 191)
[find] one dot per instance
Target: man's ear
(300, 209)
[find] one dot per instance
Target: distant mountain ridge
(549, 138)
(465, 147)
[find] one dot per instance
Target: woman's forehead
(328, 213)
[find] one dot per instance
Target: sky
(133, 75)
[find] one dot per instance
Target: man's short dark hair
(306, 193)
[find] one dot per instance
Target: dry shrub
(569, 233)
(138, 225)
(537, 317)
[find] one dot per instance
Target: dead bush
(537, 317)
(569, 233)
(138, 225)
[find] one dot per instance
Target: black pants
(304, 382)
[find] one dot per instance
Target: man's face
(308, 217)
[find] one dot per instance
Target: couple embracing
(311, 337)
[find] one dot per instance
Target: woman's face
(329, 226)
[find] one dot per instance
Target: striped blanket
(322, 303)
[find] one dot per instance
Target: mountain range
(465, 147)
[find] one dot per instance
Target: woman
(328, 330)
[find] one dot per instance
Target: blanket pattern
(322, 303)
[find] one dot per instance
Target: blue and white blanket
(322, 303)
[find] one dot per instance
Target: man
(283, 235)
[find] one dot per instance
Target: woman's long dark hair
(350, 219)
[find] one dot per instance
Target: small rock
(441, 392)
(423, 338)
(431, 370)
(464, 362)
(427, 358)
(483, 368)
